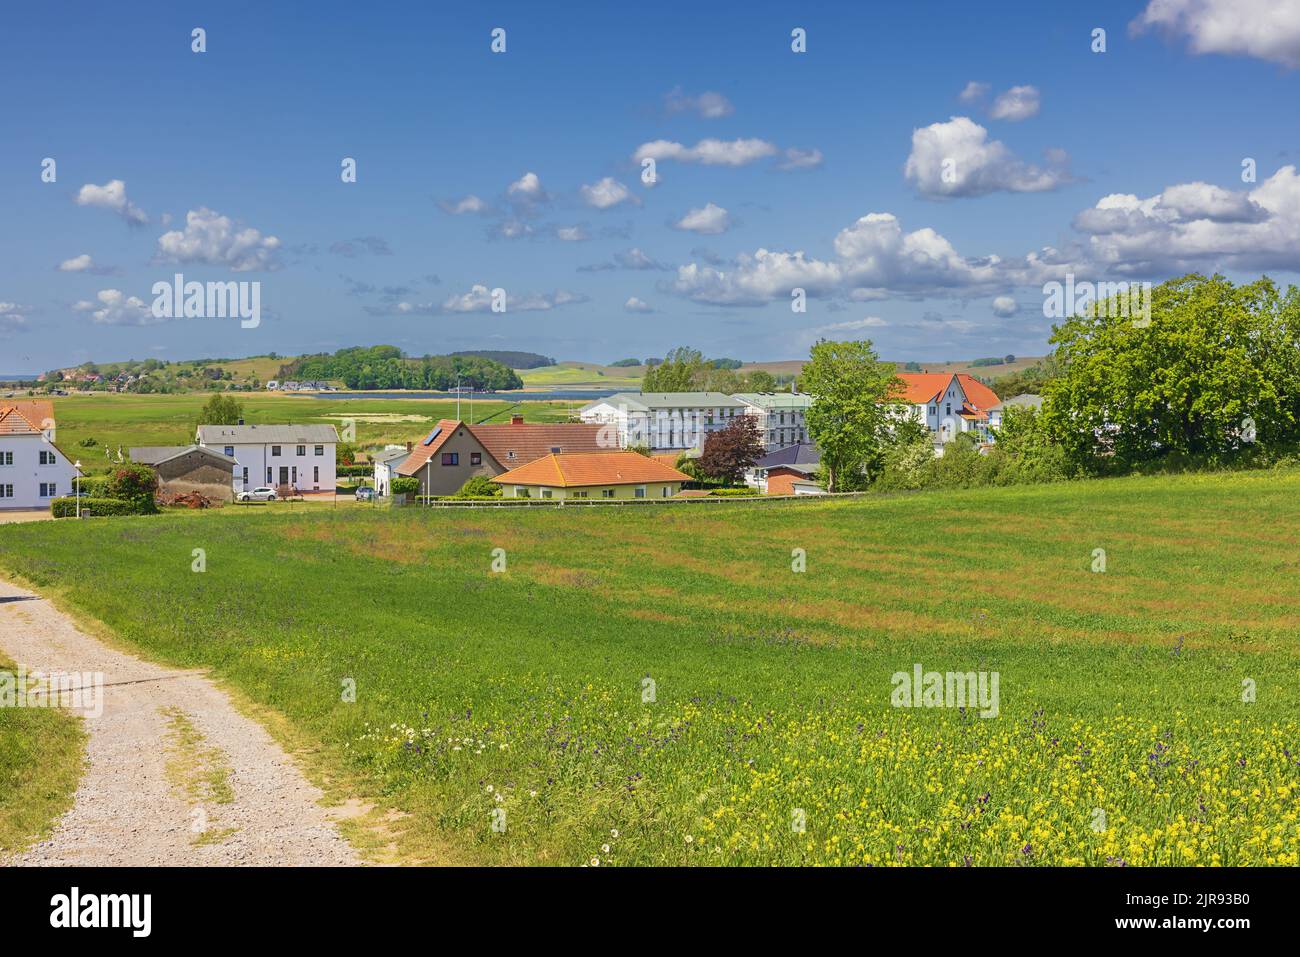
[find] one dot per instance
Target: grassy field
(125, 420)
(518, 699)
(582, 375)
(41, 753)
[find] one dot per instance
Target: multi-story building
(779, 415)
(662, 421)
(299, 456)
(33, 470)
(947, 404)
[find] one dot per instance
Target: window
(275, 450)
(6, 458)
(302, 450)
(451, 458)
(640, 491)
(268, 475)
(47, 490)
(476, 458)
(546, 493)
(579, 494)
(315, 475)
(666, 491)
(607, 493)
(510, 454)
(319, 450)
(555, 450)
(6, 491)
(934, 410)
(230, 450)
(522, 492)
(245, 478)
(47, 458)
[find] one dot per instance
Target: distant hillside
(512, 360)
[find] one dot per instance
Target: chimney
(409, 446)
(516, 419)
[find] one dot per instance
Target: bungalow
(190, 468)
(661, 421)
(946, 404)
(455, 451)
(590, 476)
(33, 470)
(299, 456)
(779, 415)
(777, 472)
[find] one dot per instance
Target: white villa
(300, 456)
(948, 404)
(780, 416)
(663, 421)
(33, 470)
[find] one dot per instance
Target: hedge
(95, 486)
(732, 492)
(405, 485)
(67, 507)
(354, 471)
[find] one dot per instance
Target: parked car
(263, 493)
(365, 494)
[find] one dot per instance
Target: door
(284, 475)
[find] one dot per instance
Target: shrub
(134, 483)
(405, 485)
(354, 471)
(67, 507)
(479, 486)
(95, 486)
(733, 492)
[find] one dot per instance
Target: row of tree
(686, 370)
(385, 367)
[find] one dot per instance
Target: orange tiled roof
(532, 440)
(445, 428)
(35, 411)
(13, 422)
(591, 468)
(920, 388)
(977, 393)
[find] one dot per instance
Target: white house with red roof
(33, 470)
(948, 404)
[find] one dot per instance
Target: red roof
(921, 388)
(440, 433)
(591, 468)
(511, 444)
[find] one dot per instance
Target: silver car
(262, 494)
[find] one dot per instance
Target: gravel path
(127, 811)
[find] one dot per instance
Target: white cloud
(633, 258)
(709, 105)
(960, 150)
(1191, 225)
(1017, 103)
(571, 234)
(84, 263)
(115, 308)
(112, 195)
(1265, 29)
(973, 91)
(634, 304)
(479, 299)
(795, 158)
(209, 237)
(606, 193)
(852, 325)
(709, 152)
(466, 204)
(708, 220)
(528, 186)
(13, 317)
(1005, 307)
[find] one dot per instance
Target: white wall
(257, 457)
(27, 474)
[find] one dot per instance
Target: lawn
(658, 685)
(125, 420)
(41, 753)
(583, 375)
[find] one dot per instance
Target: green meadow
(125, 420)
(661, 685)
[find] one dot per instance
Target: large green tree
(850, 418)
(1215, 369)
(682, 370)
(221, 410)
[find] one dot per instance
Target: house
(779, 415)
(1027, 401)
(386, 463)
(33, 470)
(272, 385)
(189, 468)
(661, 421)
(455, 451)
(777, 472)
(946, 404)
(299, 456)
(588, 476)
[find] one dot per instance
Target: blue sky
(821, 170)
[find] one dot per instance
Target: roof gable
(516, 444)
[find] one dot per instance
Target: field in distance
(661, 685)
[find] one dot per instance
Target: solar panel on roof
(432, 435)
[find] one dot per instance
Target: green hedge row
(67, 507)
(354, 471)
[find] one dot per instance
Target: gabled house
(778, 472)
(299, 456)
(192, 468)
(455, 451)
(779, 416)
(946, 404)
(599, 476)
(33, 470)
